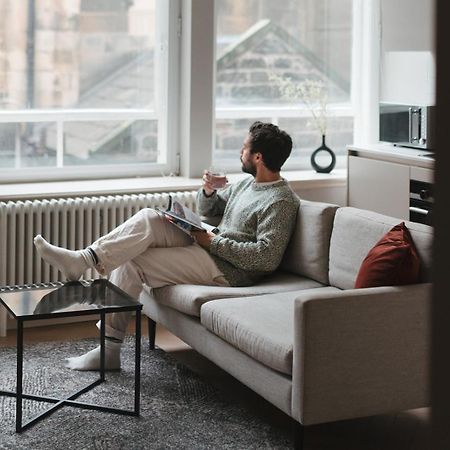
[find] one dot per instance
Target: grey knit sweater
(256, 226)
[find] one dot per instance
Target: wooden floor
(409, 430)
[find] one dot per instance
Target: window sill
(301, 179)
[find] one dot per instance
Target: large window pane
(85, 58)
(77, 54)
(300, 40)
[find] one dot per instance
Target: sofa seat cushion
(188, 298)
(261, 326)
(356, 231)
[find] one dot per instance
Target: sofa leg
(298, 431)
(151, 333)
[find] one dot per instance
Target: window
(296, 39)
(77, 87)
(109, 88)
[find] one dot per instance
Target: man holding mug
(258, 216)
(258, 212)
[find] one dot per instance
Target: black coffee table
(78, 298)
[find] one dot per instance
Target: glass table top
(72, 299)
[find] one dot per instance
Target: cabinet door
(379, 186)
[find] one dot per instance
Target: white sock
(72, 263)
(91, 359)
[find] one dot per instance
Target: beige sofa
(303, 338)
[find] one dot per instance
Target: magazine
(184, 218)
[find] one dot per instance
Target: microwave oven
(407, 125)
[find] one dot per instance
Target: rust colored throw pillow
(393, 261)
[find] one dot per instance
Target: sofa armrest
(361, 352)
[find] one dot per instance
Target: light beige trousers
(147, 249)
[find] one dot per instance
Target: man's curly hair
(275, 145)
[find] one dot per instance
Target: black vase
(323, 148)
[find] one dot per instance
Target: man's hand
(208, 188)
(203, 238)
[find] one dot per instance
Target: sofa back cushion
(356, 231)
(308, 249)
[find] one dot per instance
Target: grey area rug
(178, 409)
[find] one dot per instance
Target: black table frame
(70, 400)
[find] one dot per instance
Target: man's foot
(72, 263)
(91, 360)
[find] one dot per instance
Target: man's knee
(148, 213)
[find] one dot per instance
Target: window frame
(166, 78)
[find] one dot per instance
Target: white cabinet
(379, 177)
(379, 186)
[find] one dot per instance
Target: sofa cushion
(188, 298)
(308, 249)
(393, 261)
(356, 231)
(261, 326)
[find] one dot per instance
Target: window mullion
(365, 69)
(197, 85)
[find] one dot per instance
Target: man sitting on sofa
(259, 214)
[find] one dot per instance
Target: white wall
(407, 25)
(407, 52)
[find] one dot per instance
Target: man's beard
(249, 168)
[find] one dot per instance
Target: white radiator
(71, 223)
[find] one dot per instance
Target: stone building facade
(244, 73)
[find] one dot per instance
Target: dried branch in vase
(311, 93)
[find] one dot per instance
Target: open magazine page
(184, 212)
(185, 219)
